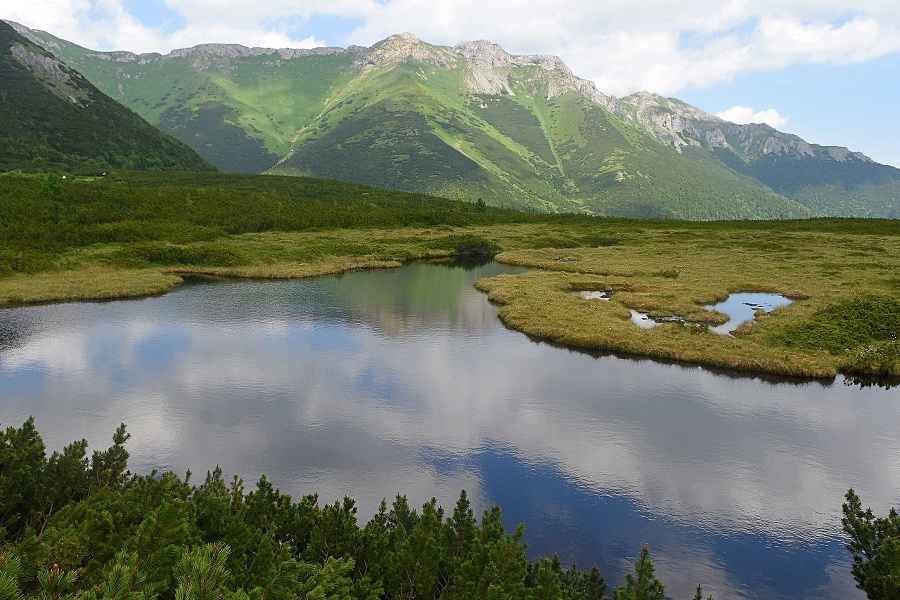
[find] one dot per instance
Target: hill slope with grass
(473, 121)
(53, 118)
(829, 180)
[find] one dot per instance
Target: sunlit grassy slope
(410, 127)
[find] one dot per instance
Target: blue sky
(826, 71)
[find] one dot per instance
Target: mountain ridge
(650, 110)
(472, 120)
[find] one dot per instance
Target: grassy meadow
(135, 234)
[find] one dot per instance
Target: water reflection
(743, 306)
(405, 380)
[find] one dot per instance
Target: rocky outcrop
(48, 66)
(60, 80)
(679, 124)
(404, 48)
(672, 121)
(490, 66)
(843, 154)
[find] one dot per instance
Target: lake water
(405, 381)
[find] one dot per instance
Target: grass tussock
(538, 303)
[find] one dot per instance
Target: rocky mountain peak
(842, 154)
(404, 47)
(648, 102)
(672, 121)
(489, 67)
(484, 54)
(679, 124)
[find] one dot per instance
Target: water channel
(405, 381)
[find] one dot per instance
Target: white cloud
(745, 114)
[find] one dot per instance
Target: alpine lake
(405, 381)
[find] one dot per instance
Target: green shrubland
(80, 526)
(874, 543)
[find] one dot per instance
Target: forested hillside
(54, 119)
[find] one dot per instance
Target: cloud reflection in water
(381, 382)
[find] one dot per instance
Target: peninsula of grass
(137, 234)
(841, 274)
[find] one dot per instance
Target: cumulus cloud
(745, 114)
(623, 47)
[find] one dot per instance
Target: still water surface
(405, 381)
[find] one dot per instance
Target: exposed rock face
(48, 66)
(490, 66)
(679, 124)
(757, 139)
(483, 54)
(401, 48)
(60, 79)
(589, 90)
(672, 121)
(843, 154)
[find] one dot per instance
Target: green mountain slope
(239, 108)
(54, 118)
(413, 125)
(828, 180)
(473, 121)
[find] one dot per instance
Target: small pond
(593, 294)
(741, 307)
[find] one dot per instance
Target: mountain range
(473, 121)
